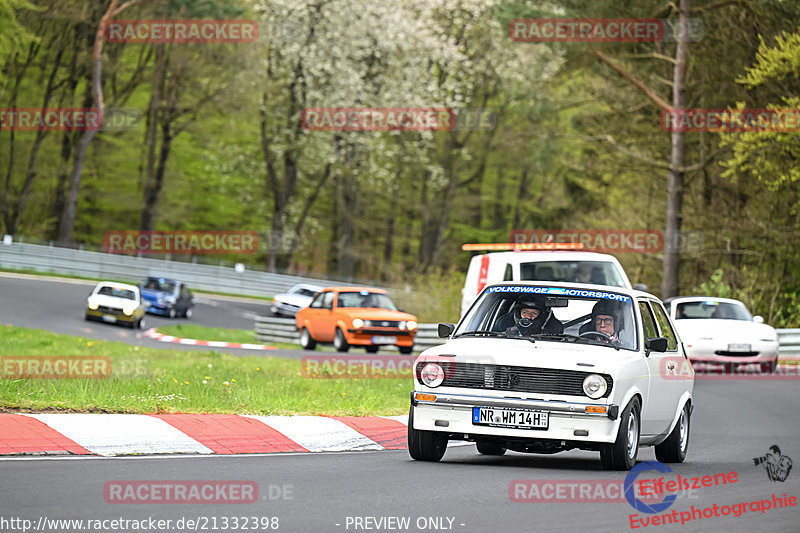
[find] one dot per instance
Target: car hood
(154, 294)
(112, 301)
(293, 299)
(368, 313)
(728, 331)
(541, 354)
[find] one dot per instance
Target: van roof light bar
(522, 246)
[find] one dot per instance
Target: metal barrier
(100, 265)
(273, 329)
(789, 344)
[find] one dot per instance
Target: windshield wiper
(564, 336)
(481, 332)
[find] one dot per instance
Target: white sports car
(720, 331)
(296, 298)
(547, 367)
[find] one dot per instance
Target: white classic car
(720, 331)
(296, 298)
(546, 367)
(118, 303)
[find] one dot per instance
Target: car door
(671, 362)
(326, 321)
(655, 410)
(310, 316)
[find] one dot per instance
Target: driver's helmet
(527, 325)
(609, 308)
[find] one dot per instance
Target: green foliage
(14, 35)
(716, 286)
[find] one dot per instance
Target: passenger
(532, 317)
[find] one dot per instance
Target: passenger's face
(529, 313)
(604, 324)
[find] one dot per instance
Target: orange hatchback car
(355, 316)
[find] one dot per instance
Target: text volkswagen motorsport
(544, 368)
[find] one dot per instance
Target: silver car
(296, 298)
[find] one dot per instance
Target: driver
(532, 316)
(607, 319)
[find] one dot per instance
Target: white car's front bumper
(452, 413)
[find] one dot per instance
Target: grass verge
(147, 380)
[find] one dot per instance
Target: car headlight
(93, 305)
(432, 375)
(128, 311)
(411, 324)
(358, 323)
(594, 386)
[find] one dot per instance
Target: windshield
(553, 314)
(712, 309)
(117, 293)
(365, 299)
(595, 272)
(158, 285)
(305, 292)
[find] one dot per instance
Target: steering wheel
(602, 336)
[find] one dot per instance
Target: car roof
(116, 285)
(355, 289)
(683, 299)
(551, 255)
(161, 278)
(634, 293)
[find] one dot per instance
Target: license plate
(739, 348)
(379, 339)
(510, 418)
(109, 318)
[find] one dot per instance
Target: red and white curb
(123, 434)
(153, 334)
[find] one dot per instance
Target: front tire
(425, 445)
(371, 349)
(306, 340)
(405, 350)
(673, 450)
(621, 455)
(188, 313)
(490, 448)
(172, 313)
(340, 342)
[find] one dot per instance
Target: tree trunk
(151, 186)
(670, 284)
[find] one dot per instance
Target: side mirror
(640, 287)
(656, 344)
(758, 319)
(445, 330)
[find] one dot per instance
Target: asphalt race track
(733, 423)
(58, 306)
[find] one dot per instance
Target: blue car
(167, 297)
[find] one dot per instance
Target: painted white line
(319, 433)
(217, 344)
(122, 434)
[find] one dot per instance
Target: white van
(571, 266)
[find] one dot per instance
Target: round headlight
(432, 375)
(411, 324)
(93, 305)
(594, 386)
(128, 310)
(358, 323)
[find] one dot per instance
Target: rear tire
(172, 313)
(673, 450)
(340, 342)
(490, 448)
(621, 455)
(371, 349)
(306, 340)
(425, 445)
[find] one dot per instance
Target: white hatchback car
(720, 331)
(296, 298)
(594, 369)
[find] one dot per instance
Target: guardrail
(52, 259)
(274, 329)
(789, 344)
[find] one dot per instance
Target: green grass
(146, 380)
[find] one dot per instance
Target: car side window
(509, 274)
(316, 303)
(650, 330)
(666, 327)
(327, 300)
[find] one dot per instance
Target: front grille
(109, 310)
(736, 354)
(382, 323)
(516, 378)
